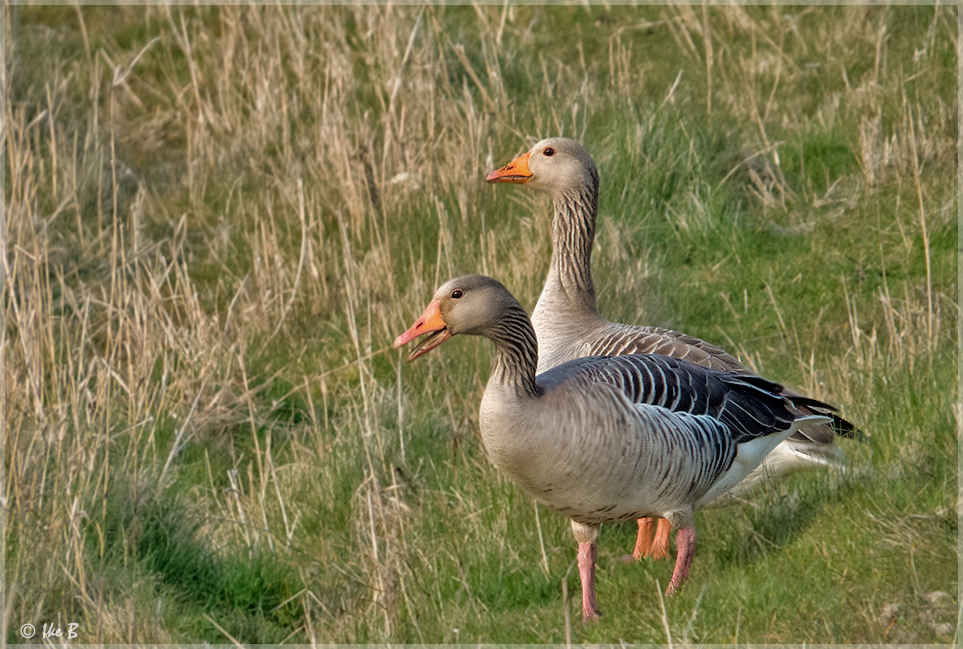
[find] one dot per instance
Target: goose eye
(457, 293)
(549, 151)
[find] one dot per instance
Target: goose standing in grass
(568, 324)
(610, 438)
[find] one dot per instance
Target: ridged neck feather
(516, 351)
(573, 233)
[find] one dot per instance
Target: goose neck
(573, 234)
(516, 353)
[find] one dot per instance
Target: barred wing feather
(628, 339)
(749, 406)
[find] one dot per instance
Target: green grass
(209, 437)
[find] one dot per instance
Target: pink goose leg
(586, 573)
(685, 542)
(586, 536)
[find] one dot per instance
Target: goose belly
(595, 472)
(593, 494)
(595, 506)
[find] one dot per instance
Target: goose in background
(568, 324)
(604, 438)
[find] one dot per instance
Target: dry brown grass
(217, 219)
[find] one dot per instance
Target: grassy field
(218, 219)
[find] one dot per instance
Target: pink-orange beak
(430, 322)
(516, 171)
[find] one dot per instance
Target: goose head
(472, 305)
(556, 166)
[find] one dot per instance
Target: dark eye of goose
(457, 293)
(549, 151)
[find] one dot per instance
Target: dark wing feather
(748, 405)
(844, 428)
(629, 339)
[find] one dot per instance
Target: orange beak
(430, 322)
(516, 171)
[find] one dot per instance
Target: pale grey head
(557, 166)
(474, 305)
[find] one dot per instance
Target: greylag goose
(568, 324)
(610, 438)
